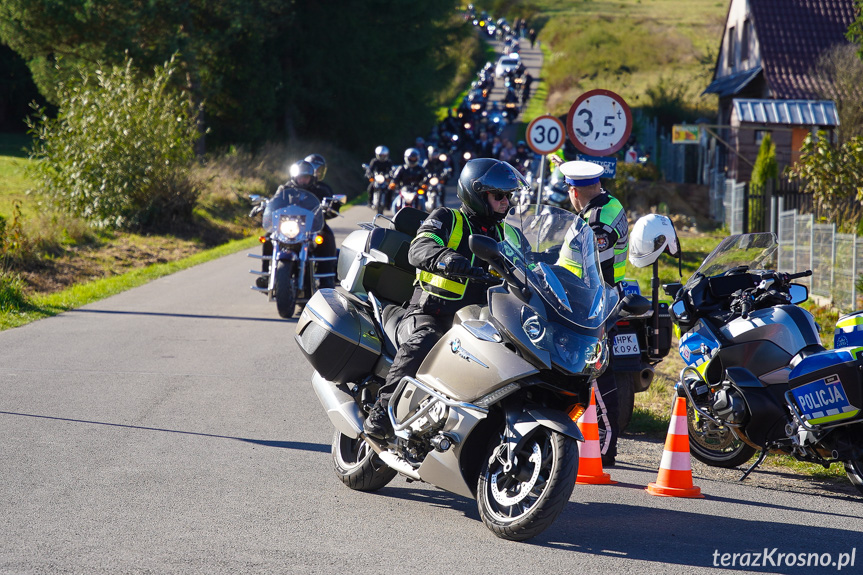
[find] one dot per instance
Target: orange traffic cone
(675, 470)
(590, 457)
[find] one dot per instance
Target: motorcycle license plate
(626, 344)
(824, 400)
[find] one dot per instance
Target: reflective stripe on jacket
(445, 287)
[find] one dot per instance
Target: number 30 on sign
(599, 123)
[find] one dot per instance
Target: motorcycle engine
(433, 419)
(730, 406)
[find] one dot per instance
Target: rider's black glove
(456, 265)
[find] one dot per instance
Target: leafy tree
(118, 150)
(833, 174)
(766, 167)
(348, 71)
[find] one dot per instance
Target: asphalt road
(172, 429)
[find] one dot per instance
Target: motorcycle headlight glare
(434, 181)
(379, 178)
(290, 227)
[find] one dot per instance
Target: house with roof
(766, 80)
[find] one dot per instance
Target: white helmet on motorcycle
(319, 164)
(412, 157)
(382, 153)
(652, 235)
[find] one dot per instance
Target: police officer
(607, 218)
(442, 257)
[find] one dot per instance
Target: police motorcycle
(488, 414)
(757, 377)
(380, 182)
(293, 220)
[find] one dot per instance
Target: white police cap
(578, 173)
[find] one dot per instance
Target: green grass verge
(14, 314)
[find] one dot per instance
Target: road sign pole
(542, 161)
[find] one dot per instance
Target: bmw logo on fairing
(456, 348)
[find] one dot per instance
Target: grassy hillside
(632, 47)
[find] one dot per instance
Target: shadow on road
(298, 445)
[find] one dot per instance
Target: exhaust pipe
(645, 378)
(343, 411)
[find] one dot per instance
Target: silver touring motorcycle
(487, 415)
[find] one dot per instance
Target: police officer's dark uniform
(607, 218)
(440, 253)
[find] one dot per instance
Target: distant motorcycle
(412, 196)
(379, 182)
(292, 220)
(436, 182)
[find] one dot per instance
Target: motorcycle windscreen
(755, 251)
(301, 203)
(558, 254)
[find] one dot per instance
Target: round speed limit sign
(545, 135)
(599, 123)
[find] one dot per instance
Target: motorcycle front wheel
(523, 502)
(357, 465)
(286, 292)
(715, 446)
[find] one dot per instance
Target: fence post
(832, 260)
(744, 225)
(854, 273)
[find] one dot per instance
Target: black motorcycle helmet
(484, 176)
(319, 164)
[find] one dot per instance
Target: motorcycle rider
(411, 173)
(380, 164)
(441, 255)
(606, 216)
(521, 160)
(440, 168)
(303, 177)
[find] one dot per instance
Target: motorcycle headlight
(467, 155)
(290, 226)
(442, 157)
(434, 181)
(380, 178)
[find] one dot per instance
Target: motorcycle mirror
(255, 198)
(672, 289)
(799, 293)
(341, 198)
(484, 247)
(634, 304)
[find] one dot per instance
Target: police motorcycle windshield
(577, 306)
(752, 251)
(294, 214)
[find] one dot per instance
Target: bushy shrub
(118, 151)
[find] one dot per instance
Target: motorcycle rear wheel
(714, 446)
(854, 471)
(286, 293)
(524, 502)
(357, 465)
(625, 381)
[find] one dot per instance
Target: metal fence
(834, 258)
